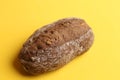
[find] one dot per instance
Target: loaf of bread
(54, 45)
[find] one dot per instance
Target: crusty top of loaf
(58, 33)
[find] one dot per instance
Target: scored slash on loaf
(54, 45)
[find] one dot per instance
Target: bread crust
(56, 44)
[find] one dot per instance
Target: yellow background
(19, 19)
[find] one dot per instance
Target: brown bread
(54, 45)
